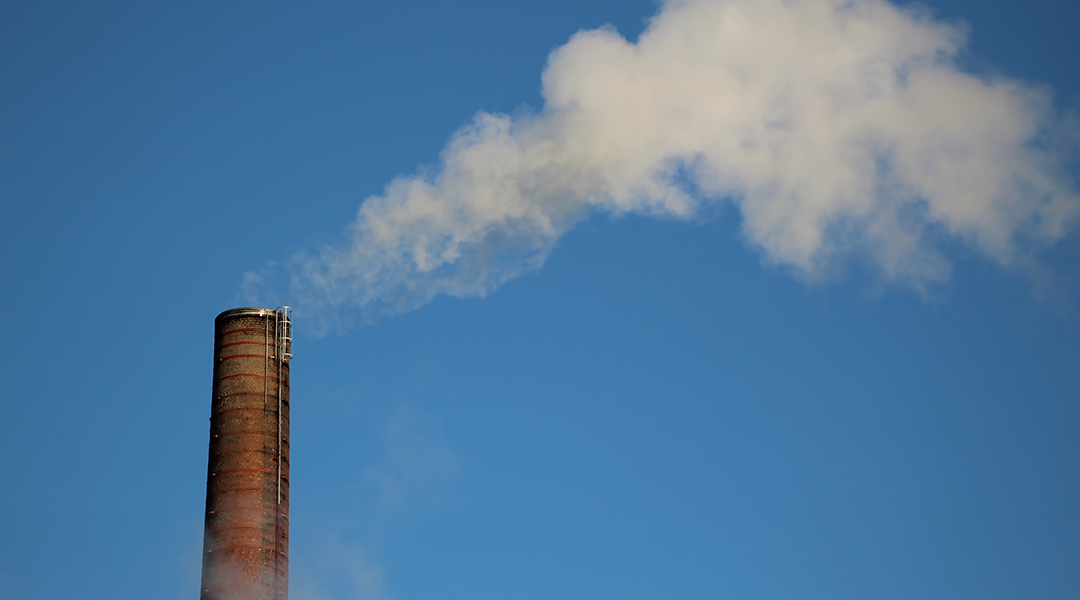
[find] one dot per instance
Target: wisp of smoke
(835, 127)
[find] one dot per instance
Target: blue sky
(668, 408)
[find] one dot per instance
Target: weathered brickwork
(246, 549)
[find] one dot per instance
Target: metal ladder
(283, 332)
(282, 354)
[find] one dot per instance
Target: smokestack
(246, 544)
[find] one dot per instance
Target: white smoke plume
(838, 128)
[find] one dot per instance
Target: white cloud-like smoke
(836, 127)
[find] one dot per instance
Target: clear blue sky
(660, 412)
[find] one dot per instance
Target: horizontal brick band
(269, 510)
(238, 343)
(280, 594)
(270, 452)
(237, 527)
(252, 408)
(232, 331)
(242, 546)
(266, 433)
(244, 470)
(248, 393)
(253, 489)
(247, 375)
(225, 358)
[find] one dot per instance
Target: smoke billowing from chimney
(838, 128)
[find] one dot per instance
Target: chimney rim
(247, 311)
